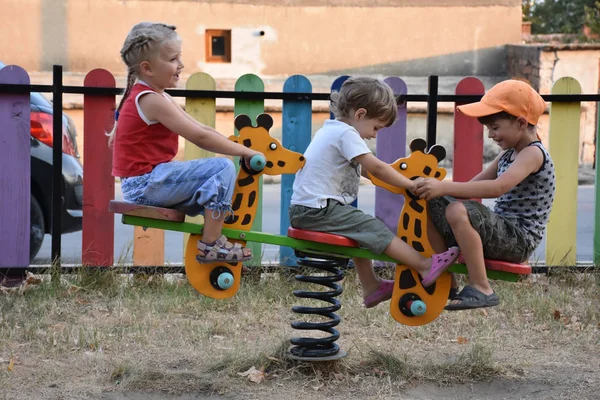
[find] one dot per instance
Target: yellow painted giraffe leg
(408, 288)
(219, 280)
(411, 303)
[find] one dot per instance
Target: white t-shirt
(329, 172)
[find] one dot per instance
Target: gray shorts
(501, 236)
(344, 220)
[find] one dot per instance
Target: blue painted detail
(418, 308)
(225, 280)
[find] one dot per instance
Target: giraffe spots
(437, 174)
(251, 198)
(249, 180)
(237, 202)
(269, 164)
(418, 229)
(232, 219)
(407, 281)
(301, 158)
(405, 221)
(414, 204)
(247, 142)
(404, 238)
(281, 163)
(418, 246)
(427, 170)
(430, 289)
(247, 219)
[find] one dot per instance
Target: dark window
(218, 45)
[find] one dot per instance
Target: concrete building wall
(402, 37)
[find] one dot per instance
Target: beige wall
(307, 37)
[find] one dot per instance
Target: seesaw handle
(257, 163)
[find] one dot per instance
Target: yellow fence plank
(561, 234)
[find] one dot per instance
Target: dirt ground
(99, 336)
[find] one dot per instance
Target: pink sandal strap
(439, 263)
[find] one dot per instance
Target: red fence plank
(468, 136)
(15, 171)
(98, 183)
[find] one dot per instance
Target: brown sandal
(221, 250)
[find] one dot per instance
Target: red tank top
(139, 147)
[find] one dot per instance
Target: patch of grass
(156, 333)
(474, 365)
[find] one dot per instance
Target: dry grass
(103, 332)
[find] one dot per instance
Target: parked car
(41, 173)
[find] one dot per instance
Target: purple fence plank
(15, 175)
(391, 145)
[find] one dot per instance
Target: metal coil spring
(319, 347)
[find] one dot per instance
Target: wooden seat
(136, 210)
(504, 266)
(321, 237)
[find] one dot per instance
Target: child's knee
(456, 213)
(228, 169)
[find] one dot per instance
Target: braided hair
(144, 40)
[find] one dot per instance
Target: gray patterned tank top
(531, 200)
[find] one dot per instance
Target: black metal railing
(432, 98)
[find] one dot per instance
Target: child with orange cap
(521, 179)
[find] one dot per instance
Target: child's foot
(383, 293)
(453, 293)
(470, 298)
(222, 250)
(439, 263)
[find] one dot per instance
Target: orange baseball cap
(517, 98)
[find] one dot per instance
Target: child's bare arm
(168, 113)
(491, 171)
(383, 171)
(189, 117)
(528, 161)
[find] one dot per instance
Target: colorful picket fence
(148, 248)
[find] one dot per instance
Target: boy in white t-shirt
(328, 183)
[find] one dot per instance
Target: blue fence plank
(15, 171)
(296, 122)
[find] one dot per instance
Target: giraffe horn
(265, 121)
(438, 151)
(418, 144)
(242, 121)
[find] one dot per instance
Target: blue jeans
(190, 186)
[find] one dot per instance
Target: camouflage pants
(501, 236)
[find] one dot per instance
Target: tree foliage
(561, 16)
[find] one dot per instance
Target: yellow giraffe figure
(412, 228)
(245, 200)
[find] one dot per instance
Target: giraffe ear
(418, 144)
(265, 121)
(242, 121)
(438, 151)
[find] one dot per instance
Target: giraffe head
(418, 164)
(279, 159)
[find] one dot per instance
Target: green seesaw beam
(302, 245)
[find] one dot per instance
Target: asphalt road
(71, 243)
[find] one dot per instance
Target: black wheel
(38, 229)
